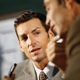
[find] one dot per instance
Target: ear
(20, 46)
(69, 4)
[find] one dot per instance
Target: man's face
(33, 39)
(58, 17)
(50, 7)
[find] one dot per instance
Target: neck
(42, 64)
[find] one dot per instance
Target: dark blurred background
(11, 6)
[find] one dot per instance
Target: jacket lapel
(55, 71)
(57, 75)
(28, 72)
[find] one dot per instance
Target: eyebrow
(22, 35)
(35, 29)
(31, 31)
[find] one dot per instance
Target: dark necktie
(43, 76)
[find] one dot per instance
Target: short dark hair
(63, 2)
(78, 1)
(28, 15)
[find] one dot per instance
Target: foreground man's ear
(69, 4)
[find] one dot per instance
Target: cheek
(50, 14)
(27, 53)
(44, 39)
(45, 42)
(24, 47)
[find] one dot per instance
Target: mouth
(35, 50)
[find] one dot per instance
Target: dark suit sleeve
(73, 51)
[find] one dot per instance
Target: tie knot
(43, 76)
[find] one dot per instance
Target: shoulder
(23, 68)
(23, 62)
(21, 65)
(73, 36)
(74, 26)
(73, 49)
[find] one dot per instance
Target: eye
(37, 33)
(46, 6)
(24, 38)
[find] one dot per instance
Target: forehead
(46, 1)
(50, 1)
(28, 26)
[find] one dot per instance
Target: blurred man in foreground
(63, 16)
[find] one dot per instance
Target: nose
(31, 41)
(47, 20)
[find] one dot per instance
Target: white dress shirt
(48, 70)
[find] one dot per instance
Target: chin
(36, 58)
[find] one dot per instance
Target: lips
(35, 49)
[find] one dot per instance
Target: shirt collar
(48, 70)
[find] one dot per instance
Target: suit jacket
(73, 51)
(26, 71)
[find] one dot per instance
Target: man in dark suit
(33, 38)
(64, 18)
